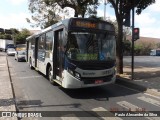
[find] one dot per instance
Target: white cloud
(150, 32)
(155, 7)
(148, 23)
(17, 21)
(17, 2)
(144, 19)
(100, 13)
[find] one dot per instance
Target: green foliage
(20, 38)
(143, 48)
(138, 49)
(81, 7)
(46, 12)
(143, 4)
(121, 8)
(158, 45)
(127, 47)
(42, 14)
(5, 36)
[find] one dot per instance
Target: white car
(11, 51)
(20, 55)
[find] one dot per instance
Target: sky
(13, 14)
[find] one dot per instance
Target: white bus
(75, 53)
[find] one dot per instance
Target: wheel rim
(50, 75)
(30, 64)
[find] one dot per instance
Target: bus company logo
(6, 114)
(89, 73)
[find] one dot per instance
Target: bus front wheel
(50, 76)
(30, 63)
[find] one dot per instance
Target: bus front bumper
(70, 81)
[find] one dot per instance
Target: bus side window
(41, 48)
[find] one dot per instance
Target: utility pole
(105, 3)
(132, 78)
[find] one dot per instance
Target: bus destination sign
(85, 24)
(90, 24)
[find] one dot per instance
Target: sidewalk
(145, 79)
(7, 102)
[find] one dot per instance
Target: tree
(122, 8)
(47, 12)
(126, 44)
(81, 7)
(42, 14)
(20, 37)
(6, 36)
(158, 45)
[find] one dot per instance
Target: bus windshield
(84, 46)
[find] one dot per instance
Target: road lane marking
(105, 118)
(128, 105)
(29, 77)
(2, 65)
(70, 118)
(153, 118)
(132, 107)
(152, 95)
(150, 100)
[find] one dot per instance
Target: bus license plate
(98, 81)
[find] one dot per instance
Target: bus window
(49, 40)
(84, 46)
(41, 48)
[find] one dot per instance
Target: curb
(130, 84)
(14, 109)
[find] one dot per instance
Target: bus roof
(66, 23)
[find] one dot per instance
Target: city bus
(75, 53)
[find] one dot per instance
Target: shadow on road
(38, 103)
(7, 102)
(144, 74)
(102, 93)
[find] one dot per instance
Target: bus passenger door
(58, 62)
(41, 54)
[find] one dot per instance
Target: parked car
(11, 51)
(20, 55)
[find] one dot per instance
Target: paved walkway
(147, 79)
(7, 102)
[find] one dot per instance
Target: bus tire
(49, 75)
(30, 64)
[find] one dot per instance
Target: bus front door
(59, 59)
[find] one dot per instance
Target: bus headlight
(77, 75)
(70, 71)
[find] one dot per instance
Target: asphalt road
(143, 61)
(34, 92)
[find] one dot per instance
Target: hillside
(147, 40)
(143, 45)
